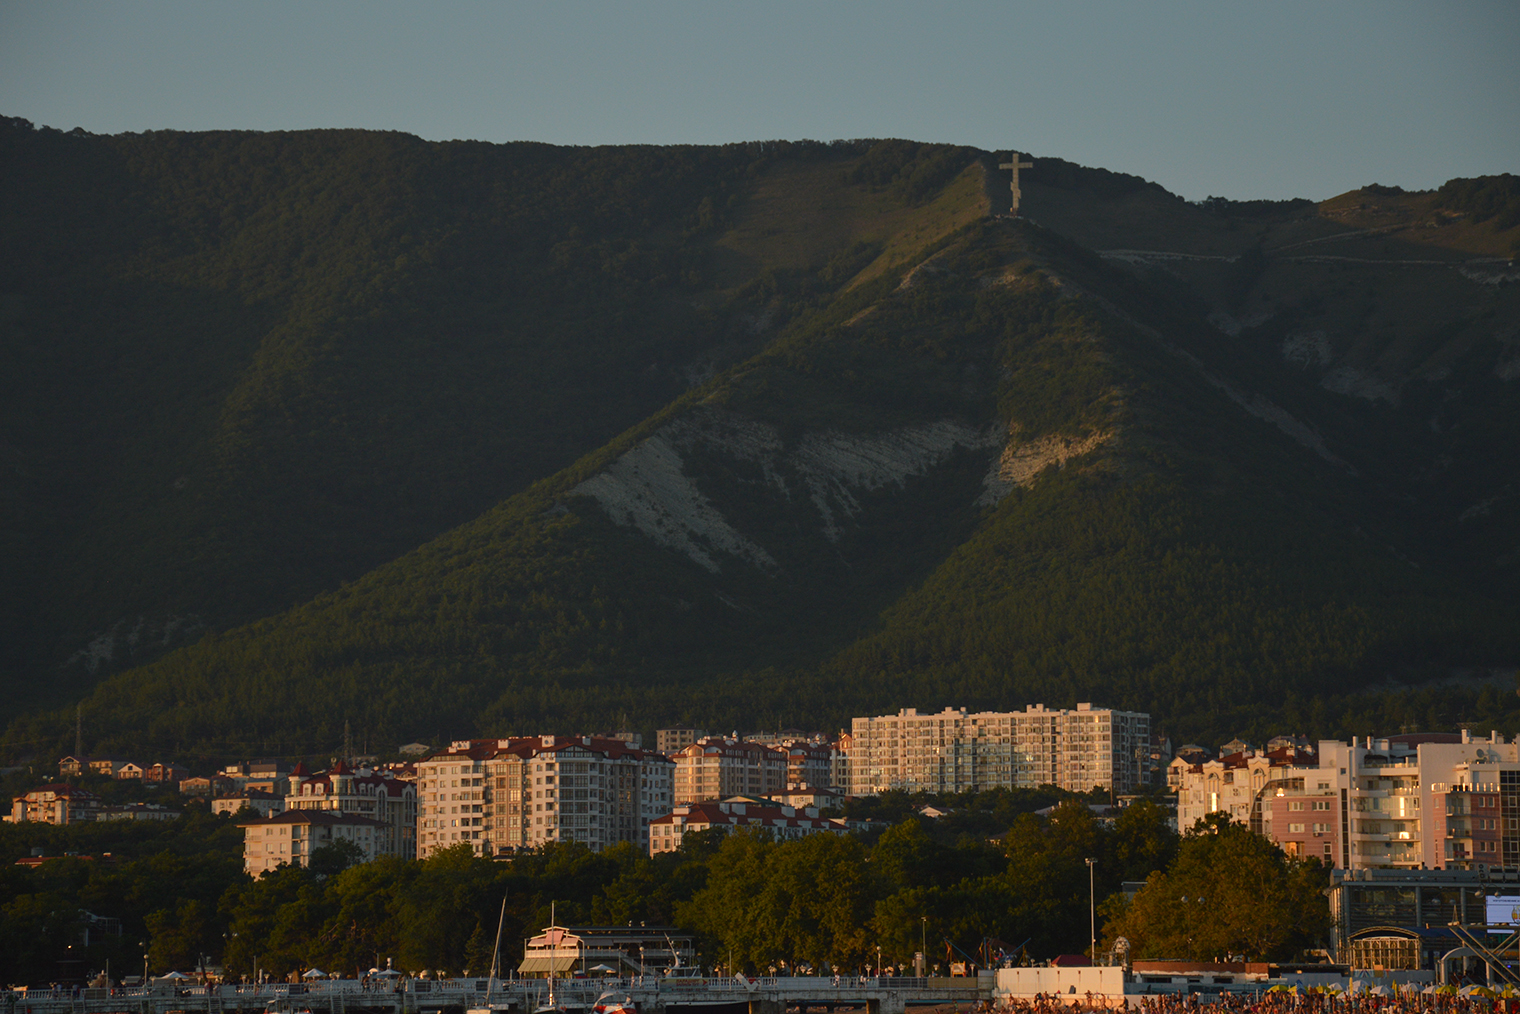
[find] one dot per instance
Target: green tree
(334, 857)
(1230, 891)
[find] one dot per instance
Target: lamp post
(1092, 911)
(144, 945)
(923, 943)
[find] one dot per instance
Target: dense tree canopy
(1229, 892)
(820, 901)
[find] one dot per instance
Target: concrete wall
(1029, 981)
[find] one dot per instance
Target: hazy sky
(1280, 99)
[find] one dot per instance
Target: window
(1296, 805)
(1295, 828)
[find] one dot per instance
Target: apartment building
(1432, 800)
(380, 795)
(954, 751)
(260, 802)
(812, 765)
(54, 804)
(712, 768)
(679, 737)
(728, 815)
(506, 794)
(291, 837)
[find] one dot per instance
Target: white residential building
(289, 838)
(714, 767)
(1431, 800)
(954, 751)
(380, 795)
(54, 804)
(506, 794)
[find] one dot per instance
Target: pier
(651, 994)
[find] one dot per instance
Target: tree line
(993, 869)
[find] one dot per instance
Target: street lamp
(1092, 911)
(923, 944)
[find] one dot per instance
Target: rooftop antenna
(78, 729)
(348, 750)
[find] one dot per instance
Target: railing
(238, 995)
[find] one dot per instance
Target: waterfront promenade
(652, 995)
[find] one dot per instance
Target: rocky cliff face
(647, 488)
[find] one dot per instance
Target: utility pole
(1092, 911)
(78, 730)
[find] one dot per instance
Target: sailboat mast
(496, 952)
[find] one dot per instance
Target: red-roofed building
(667, 832)
(166, 774)
(73, 766)
(107, 766)
(1234, 783)
(1419, 800)
(378, 795)
(54, 804)
(289, 838)
(713, 767)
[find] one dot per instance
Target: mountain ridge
(1092, 395)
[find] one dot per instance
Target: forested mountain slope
(238, 369)
(922, 456)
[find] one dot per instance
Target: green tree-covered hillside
(238, 369)
(532, 439)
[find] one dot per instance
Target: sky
(1240, 100)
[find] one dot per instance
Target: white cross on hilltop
(1015, 165)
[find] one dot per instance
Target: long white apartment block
(954, 751)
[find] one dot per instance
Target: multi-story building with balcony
(813, 765)
(713, 768)
(54, 804)
(1432, 800)
(954, 751)
(381, 796)
(289, 838)
(506, 794)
